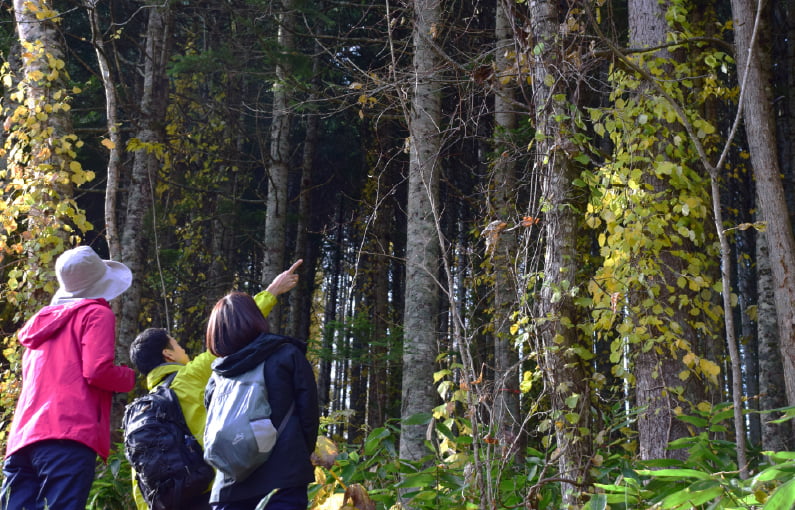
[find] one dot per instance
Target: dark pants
(293, 498)
(53, 474)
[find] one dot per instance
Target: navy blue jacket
(288, 378)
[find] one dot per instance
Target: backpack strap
(292, 404)
(166, 381)
(285, 419)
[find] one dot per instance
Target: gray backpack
(239, 435)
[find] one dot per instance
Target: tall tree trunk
(300, 300)
(149, 131)
(43, 153)
(422, 242)
(333, 270)
(656, 370)
(760, 131)
(114, 134)
(502, 200)
(565, 372)
(278, 170)
(773, 395)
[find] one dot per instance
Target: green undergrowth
(371, 475)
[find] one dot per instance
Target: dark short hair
(146, 351)
(235, 321)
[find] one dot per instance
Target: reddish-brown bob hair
(234, 323)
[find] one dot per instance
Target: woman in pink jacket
(62, 418)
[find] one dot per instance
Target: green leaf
(418, 480)
(597, 502)
(675, 473)
(373, 441)
(418, 419)
(692, 497)
(783, 498)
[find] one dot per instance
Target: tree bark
(278, 170)
(114, 135)
(46, 154)
(656, 370)
(502, 197)
(422, 245)
(759, 126)
(775, 436)
(565, 372)
(149, 130)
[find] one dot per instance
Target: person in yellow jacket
(155, 354)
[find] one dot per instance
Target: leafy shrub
(708, 479)
(112, 487)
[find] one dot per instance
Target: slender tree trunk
(276, 222)
(759, 124)
(656, 370)
(422, 242)
(300, 300)
(747, 294)
(781, 38)
(330, 332)
(149, 131)
(37, 158)
(114, 145)
(773, 395)
(374, 271)
(565, 372)
(502, 189)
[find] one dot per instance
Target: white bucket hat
(83, 275)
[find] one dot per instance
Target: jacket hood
(253, 354)
(47, 323)
(160, 372)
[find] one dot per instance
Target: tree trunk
(759, 126)
(656, 370)
(300, 299)
(114, 135)
(775, 436)
(422, 242)
(154, 96)
(502, 193)
(565, 372)
(43, 153)
(276, 221)
(329, 333)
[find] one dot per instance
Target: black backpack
(168, 461)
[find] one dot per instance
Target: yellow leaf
(75, 166)
(709, 368)
(704, 407)
(108, 144)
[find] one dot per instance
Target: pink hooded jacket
(69, 376)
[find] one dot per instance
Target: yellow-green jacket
(189, 384)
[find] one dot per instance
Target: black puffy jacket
(288, 378)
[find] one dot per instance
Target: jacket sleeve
(265, 302)
(198, 370)
(306, 399)
(98, 343)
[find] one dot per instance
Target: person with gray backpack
(161, 443)
(277, 428)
